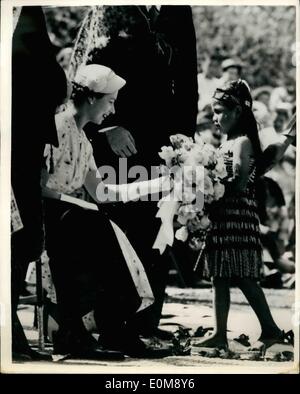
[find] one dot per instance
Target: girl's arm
(241, 164)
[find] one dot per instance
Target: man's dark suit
(38, 86)
(158, 60)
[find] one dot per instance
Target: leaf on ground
(200, 331)
(181, 350)
(243, 340)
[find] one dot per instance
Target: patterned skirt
(233, 247)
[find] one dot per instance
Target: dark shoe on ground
(30, 355)
(82, 347)
(139, 349)
(136, 348)
(20, 357)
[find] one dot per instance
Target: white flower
(189, 175)
(180, 141)
(206, 136)
(188, 146)
(199, 140)
(208, 153)
(193, 176)
(183, 155)
(198, 154)
(208, 187)
(220, 168)
(102, 41)
(182, 219)
(219, 190)
(186, 213)
(188, 195)
(204, 222)
(167, 153)
(199, 175)
(182, 234)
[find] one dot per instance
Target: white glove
(136, 190)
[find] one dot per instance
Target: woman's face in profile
(101, 108)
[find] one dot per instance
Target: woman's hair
(236, 93)
(81, 93)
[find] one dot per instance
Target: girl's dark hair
(238, 93)
(81, 93)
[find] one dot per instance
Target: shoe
(20, 357)
(97, 354)
(82, 347)
(136, 348)
(31, 355)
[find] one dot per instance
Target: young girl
(86, 260)
(233, 245)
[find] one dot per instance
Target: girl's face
(225, 118)
(101, 108)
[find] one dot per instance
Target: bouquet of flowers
(197, 169)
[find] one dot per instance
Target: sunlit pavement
(192, 308)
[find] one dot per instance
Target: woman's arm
(98, 190)
(107, 193)
(48, 193)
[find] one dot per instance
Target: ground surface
(191, 308)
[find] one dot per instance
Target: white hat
(99, 79)
(227, 63)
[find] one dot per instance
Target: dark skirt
(233, 246)
(85, 259)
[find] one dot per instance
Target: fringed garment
(233, 247)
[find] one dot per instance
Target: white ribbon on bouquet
(167, 209)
